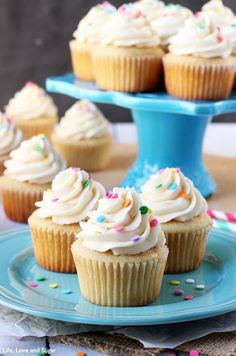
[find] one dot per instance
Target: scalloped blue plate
(18, 269)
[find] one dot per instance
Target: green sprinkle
(202, 26)
(42, 353)
(233, 25)
(86, 183)
(39, 149)
(40, 278)
(158, 186)
(144, 209)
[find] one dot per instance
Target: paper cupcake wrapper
(186, 250)
(18, 201)
(90, 155)
(127, 74)
(52, 246)
(203, 81)
(82, 62)
(120, 280)
(42, 125)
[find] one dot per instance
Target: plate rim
(135, 320)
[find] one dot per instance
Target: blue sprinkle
(101, 218)
(67, 291)
(135, 238)
(173, 186)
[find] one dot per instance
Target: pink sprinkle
(194, 353)
(161, 171)
(108, 195)
(153, 222)
(119, 228)
(197, 15)
(220, 38)
(9, 121)
(188, 297)
(33, 284)
(178, 170)
(76, 169)
(115, 196)
(29, 84)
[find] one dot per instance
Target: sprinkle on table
(200, 286)
(127, 203)
(40, 278)
(53, 285)
(188, 297)
(66, 291)
(101, 218)
(119, 228)
(86, 183)
(153, 222)
(33, 284)
(189, 281)
(174, 282)
(173, 186)
(179, 292)
(143, 210)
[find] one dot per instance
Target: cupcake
(199, 65)
(33, 111)
(151, 9)
(182, 212)
(83, 137)
(129, 58)
(229, 32)
(54, 225)
(10, 138)
(120, 254)
(219, 14)
(167, 24)
(87, 36)
(29, 172)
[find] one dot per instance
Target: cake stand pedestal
(170, 131)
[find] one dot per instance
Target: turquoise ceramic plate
(18, 269)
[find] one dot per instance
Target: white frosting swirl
(200, 38)
(90, 27)
(170, 21)
(128, 27)
(29, 103)
(121, 226)
(230, 33)
(10, 135)
(172, 196)
(83, 121)
(151, 9)
(34, 161)
(72, 197)
(218, 13)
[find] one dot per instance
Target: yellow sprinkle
(53, 285)
(46, 160)
(150, 210)
(49, 190)
(127, 203)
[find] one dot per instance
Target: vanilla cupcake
(182, 212)
(10, 138)
(33, 111)
(129, 58)
(167, 24)
(229, 32)
(219, 14)
(29, 172)
(120, 254)
(87, 36)
(83, 137)
(199, 65)
(54, 225)
(151, 9)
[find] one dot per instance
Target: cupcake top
(128, 28)
(34, 161)
(229, 32)
(151, 9)
(89, 28)
(10, 135)
(83, 121)
(218, 13)
(172, 196)
(73, 195)
(121, 224)
(29, 103)
(170, 21)
(200, 38)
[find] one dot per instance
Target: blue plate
(18, 269)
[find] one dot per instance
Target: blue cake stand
(170, 131)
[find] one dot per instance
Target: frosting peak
(172, 196)
(121, 224)
(200, 38)
(72, 197)
(83, 121)
(218, 13)
(90, 26)
(128, 27)
(34, 161)
(10, 135)
(29, 103)
(151, 9)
